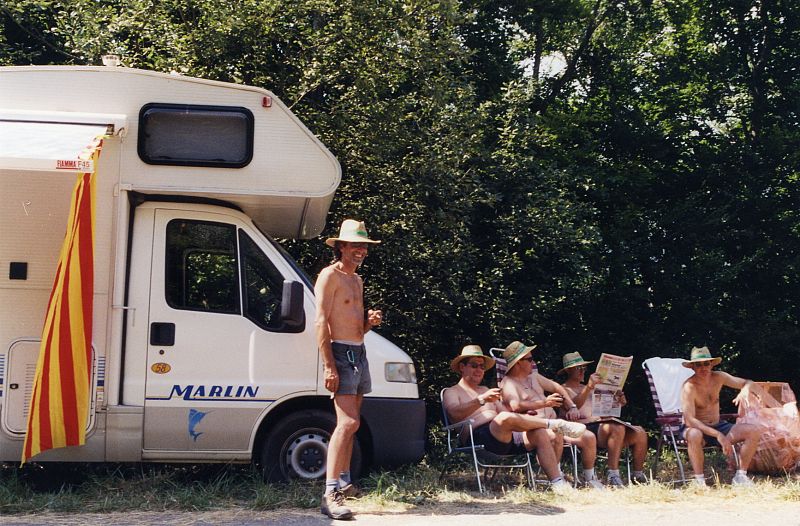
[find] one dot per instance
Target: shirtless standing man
(702, 425)
(500, 431)
(524, 392)
(341, 324)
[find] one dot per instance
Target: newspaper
(607, 395)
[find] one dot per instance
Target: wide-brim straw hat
(351, 231)
(515, 351)
(700, 355)
(472, 351)
(572, 359)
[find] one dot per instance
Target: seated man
(702, 424)
(610, 435)
(524, 392)
(501, 432)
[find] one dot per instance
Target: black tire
(297, 447)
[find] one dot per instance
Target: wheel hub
(306, 453)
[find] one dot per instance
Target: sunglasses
(528, 359)
(357, 245)
(474, 365)
(701, 365)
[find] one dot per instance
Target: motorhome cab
(203, 340)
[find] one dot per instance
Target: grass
(108, 488)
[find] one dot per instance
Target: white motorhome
(203, 342)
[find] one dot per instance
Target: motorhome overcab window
(190, 135)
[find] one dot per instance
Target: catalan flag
(59, 405)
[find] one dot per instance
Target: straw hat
(515, 352)
(351, 231)
(572, 359)
(700, 355)
(472, 351)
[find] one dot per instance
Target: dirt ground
(705, 510)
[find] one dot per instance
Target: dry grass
(158, 488)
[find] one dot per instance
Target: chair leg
(529, 473)
(573, 450)
(677, 455)
(477, 471)
(628, 463)
(659, 445)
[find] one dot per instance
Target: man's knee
(693, 437)
(539, 438)
(348, 425)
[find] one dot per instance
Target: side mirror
(293, 315)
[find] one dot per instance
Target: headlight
(401, 372)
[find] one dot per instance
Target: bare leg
(749, 434)
(588, 446)
(340, 448)
(637, 441)
(611, 437)
(694, 444)
(505, 423)
(545, 454)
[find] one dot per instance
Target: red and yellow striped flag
(59, 403)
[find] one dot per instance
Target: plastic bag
(779, 447)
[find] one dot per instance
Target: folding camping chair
(480, 457)
(665, 376)
(501, 367)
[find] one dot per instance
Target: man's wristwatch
(481, 401)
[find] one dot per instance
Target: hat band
(519, 352)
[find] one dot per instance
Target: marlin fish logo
(195, 417)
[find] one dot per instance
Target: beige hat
(472, 351)
(351, 231)
(700, 355)
(572, 359)
(515, 351)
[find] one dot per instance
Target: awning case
(26, 145)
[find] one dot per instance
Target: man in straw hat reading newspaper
(702, 424)
(611, 434)
(524, 391)
(500, 431)
(341, 324)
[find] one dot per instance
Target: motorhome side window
(191, 135)
(262, 285)
(201, 271)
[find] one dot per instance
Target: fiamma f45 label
(78, 165)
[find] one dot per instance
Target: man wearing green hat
(702, 424)
(341, 323)
(524, 391)
(612, 435)
(497, 429)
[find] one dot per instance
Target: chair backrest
(665, 377)
(445, 418)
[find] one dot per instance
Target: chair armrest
(460, 425)
(729, 416)
(671, 419)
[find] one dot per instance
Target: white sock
(612, 472)
(557, 479)
(701, 478)
(638, 473)
(742, 472)
(588, 474)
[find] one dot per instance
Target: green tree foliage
(584, 174)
